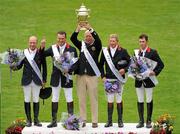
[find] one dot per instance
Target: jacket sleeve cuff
(91, 30)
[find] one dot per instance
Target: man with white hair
(88, 72)
(32, 80)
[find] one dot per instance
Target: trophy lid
(82, 9)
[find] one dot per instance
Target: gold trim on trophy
(82, 16)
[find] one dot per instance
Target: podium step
(128, 127)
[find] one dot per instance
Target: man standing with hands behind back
(88, 72)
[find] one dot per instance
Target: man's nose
(33, 43)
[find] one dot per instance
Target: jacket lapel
(117, 51)
(147, 52)
(109, 52)
(66, 48)
(140, 53)
(36, 55)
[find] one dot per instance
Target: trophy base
(83, 29)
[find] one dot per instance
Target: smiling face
(88, 37)
(143, 43)
(61, 39)
(33, 42)
(113, 42)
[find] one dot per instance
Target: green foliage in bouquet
(16, 127)
(163, 125)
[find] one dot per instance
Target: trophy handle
(82, 16)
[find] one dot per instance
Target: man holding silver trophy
(87, 72)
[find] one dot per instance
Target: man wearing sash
(32, 79)
(58, 78)
(115, 59)
(146, 85)
(88, 72)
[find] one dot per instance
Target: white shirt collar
(32, 51)
(144, 49)
(62, 48)
(113, 50)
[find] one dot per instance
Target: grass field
(160, 19)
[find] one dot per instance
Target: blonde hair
(33, 37)
(114, 36)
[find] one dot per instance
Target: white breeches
(56, 92)
(140, 94)
(31, 88)
(118, 96)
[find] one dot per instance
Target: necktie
(141, 54)
(60, 49)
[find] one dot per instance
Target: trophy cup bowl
(82, 16)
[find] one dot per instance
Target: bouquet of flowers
(64, 63)
(112, 86)
(140, 68)
(164, 125)
(71, 122)
(16, 127)
(12, 57)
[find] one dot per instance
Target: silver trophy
(82, 16)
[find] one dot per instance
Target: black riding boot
(149, 114)
(27, 107)
(70, 108)
(120, 113)
(54, 115)
(110, 108)
(36, 114)
(141, 114)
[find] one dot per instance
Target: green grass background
(160, 19)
